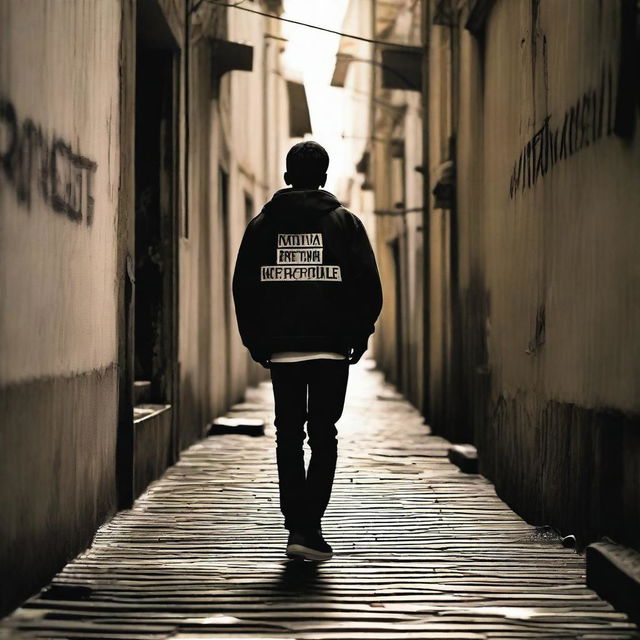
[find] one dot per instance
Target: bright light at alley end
(310, 56)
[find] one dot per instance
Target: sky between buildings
(310, 54)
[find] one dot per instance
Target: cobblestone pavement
(422, 550)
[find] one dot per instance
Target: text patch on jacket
(299, 259)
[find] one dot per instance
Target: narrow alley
(195, 191)
(422, 550)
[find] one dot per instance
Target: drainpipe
(426, 213)
(188, 10)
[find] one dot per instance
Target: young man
(307, 295)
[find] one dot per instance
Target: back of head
(307, 164)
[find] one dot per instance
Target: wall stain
(535, 29)
(539, 335)
(565, 465)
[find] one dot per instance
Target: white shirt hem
(301, 356)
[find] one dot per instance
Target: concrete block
(141, 392)
(244, 426)
(152, 444)
(613, 572)
(465, 457)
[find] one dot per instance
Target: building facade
(384, 142)
(506, 196)
(539, 102)
(136, 140)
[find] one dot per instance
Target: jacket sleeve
(245, 290)
(366, 290)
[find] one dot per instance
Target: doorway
(155, 441)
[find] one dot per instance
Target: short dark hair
(307, 163)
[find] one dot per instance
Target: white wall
(550, 271)
(59, 182)
(569, 242)
(57, 281)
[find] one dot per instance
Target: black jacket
(305, 278)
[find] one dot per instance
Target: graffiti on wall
(586, 121)
(32, 161)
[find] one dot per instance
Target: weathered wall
(236, 128)
(442, 360)
(398, 190)
(253, 110)
(67, 264)
(472, 294)
(195, 254)
(59, 178)
(554, 276)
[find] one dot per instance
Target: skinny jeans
(311, 392)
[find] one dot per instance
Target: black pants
(312, 391)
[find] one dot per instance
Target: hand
(357, 352)
(261, 358)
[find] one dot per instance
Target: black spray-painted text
(28, 157)
(585, 122)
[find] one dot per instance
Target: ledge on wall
(402, 68)
(229, 56)
(151, 444)
(478, 16)
(343, 60)
(613, 572)
(299, 118)
(465, 457)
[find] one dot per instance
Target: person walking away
(307, 294)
